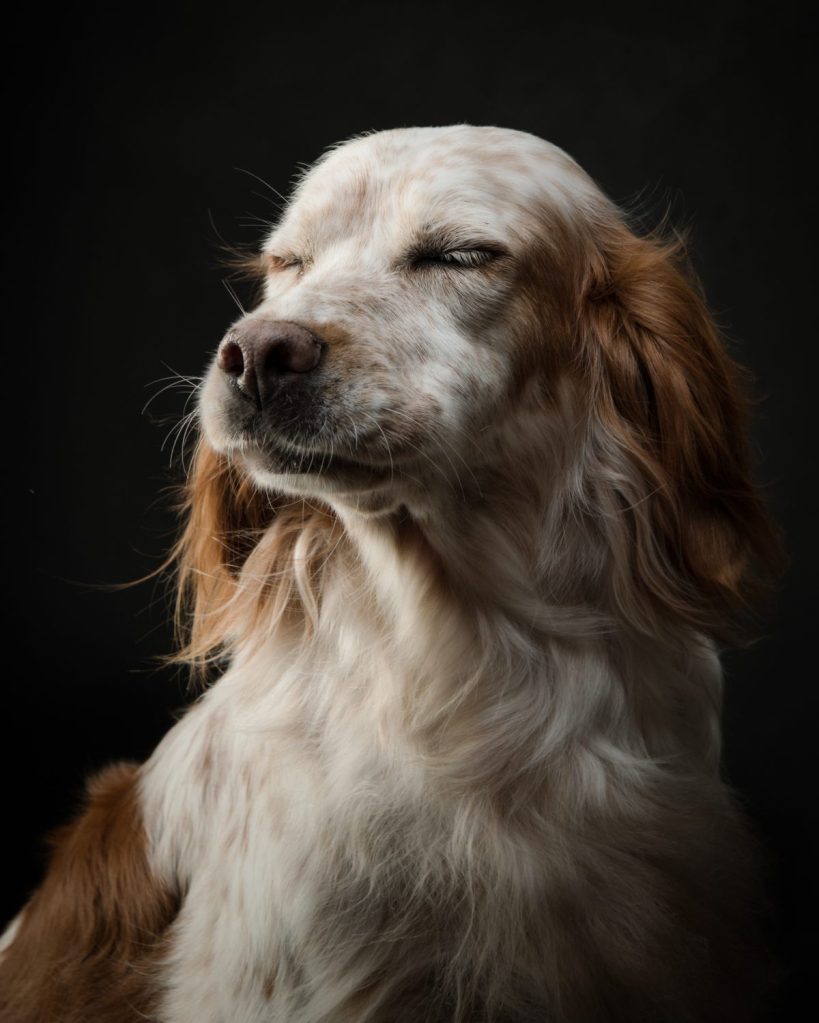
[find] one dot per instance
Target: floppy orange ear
(690, 533)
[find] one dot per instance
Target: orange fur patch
(91, 936)
(245, 555)
(668, 394)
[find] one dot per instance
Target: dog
(469, 520)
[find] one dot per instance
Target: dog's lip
(290, 458)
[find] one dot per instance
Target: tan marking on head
(332, 333)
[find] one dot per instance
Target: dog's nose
(259, 354)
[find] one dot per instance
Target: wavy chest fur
(398, 820)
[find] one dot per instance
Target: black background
(125, 130)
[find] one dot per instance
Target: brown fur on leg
(90, 936)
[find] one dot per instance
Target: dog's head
(432, 297)
(393, 328)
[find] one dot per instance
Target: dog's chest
(299, 832)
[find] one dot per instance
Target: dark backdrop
(125, 133)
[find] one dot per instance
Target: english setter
(469, 516)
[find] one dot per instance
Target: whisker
(282, 199)
(177, 381)
(230, 290)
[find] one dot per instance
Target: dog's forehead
(413, 175)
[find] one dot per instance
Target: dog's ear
(225, 514)
(669, 426)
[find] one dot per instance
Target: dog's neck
(507, 542)
(493, 587)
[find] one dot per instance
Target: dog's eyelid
(460, 256)
(455, 241)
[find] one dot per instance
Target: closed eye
(275, 263)
(464, 259)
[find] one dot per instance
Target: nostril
(230, 359)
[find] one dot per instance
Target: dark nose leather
(262, 354)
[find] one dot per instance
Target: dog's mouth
(300, 446)
(280, 457)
